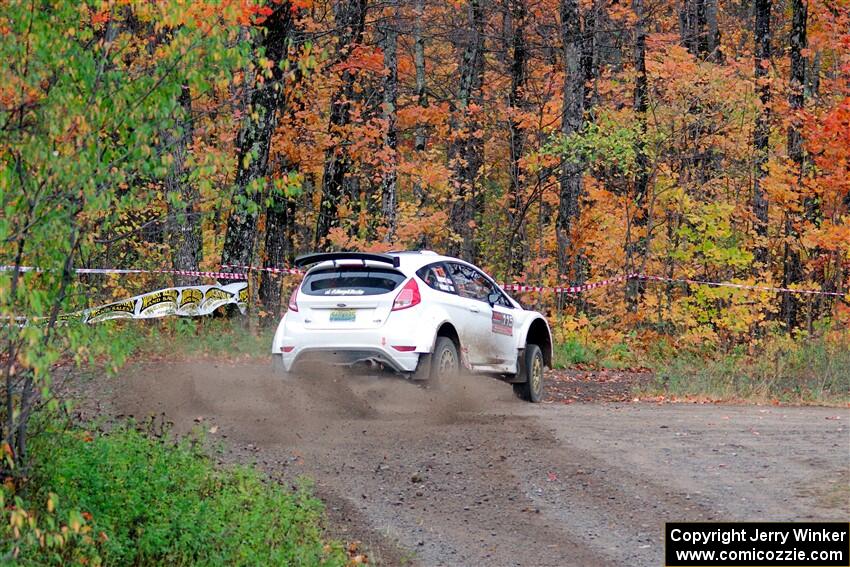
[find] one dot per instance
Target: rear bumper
(349, 356)
(354, 346)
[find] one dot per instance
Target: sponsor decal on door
(503, 323)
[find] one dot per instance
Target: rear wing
(309, 259)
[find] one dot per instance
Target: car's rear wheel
(445, 361)
(532, 368)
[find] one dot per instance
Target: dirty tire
(445, 362)
(532, 389)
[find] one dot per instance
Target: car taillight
(293, 306)
(408, 296)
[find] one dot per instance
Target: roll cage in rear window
(351, 281)
(436, 277)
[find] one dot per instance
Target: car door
(491, 327)
(504, 326)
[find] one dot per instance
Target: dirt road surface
(470, 475)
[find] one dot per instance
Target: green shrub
(572, 352)
(194, 336)
(802, 369)
(136, 500)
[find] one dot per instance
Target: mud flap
(423, 368)
(278, 368)
(520, 377)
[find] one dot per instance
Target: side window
(436, 277)
(470, 282)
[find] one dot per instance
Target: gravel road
(470, 475)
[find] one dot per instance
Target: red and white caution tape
(294, 271)
(581, 288)
(199, 274)
(742, 286)
(522, 288)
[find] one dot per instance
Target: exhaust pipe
(370, 363)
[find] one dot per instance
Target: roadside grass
(184, 336)
(801, 370)
(127, 498)
(573, 352)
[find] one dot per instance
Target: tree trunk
(389, 195)
(762, 126)
(711, 17)
(254, 142)
(792, 271)
(421, 135)
(278, 252)
(590, 54)
(517, 244)
(183, 225)
(466, 152)
(698, 27)
(693, 27)
(350, 19)
(636, 245)
(571, 124)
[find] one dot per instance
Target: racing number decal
(503, 323)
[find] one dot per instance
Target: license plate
(342, 315)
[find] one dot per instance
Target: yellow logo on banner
(128, 306)
(216, 293)
(164, 296)
(190, 296)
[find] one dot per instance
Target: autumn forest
(551, 142)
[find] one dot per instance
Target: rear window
(351, 281)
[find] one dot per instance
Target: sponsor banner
(189, 301)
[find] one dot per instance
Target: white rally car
(417, 313)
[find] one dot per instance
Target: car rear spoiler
(309, 259)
